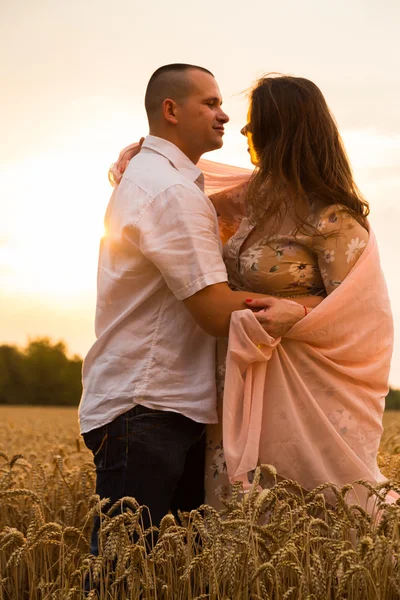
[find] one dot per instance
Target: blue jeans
(154, 456)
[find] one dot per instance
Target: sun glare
(55, 222)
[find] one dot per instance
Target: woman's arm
(231, 207)
(226, 199)
(118, 168)
(226, 186)
(339, 245)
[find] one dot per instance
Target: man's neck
(194, 157)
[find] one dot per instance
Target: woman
(318, 416)
(297, 229)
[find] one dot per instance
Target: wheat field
(277, 544)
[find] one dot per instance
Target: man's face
(201, 119)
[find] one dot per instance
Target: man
(149, 384)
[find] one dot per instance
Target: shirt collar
(175, 156)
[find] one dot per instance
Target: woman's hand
(277, 315)
(118, 168)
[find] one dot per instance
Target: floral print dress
(292, 265)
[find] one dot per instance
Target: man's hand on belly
(278, 315)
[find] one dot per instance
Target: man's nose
(223, 117)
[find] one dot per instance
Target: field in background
(273, 544)
(38, 433)
(391, 417)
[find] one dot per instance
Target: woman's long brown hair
(301, 157)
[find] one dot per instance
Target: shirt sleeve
(339, 244)
(179, 235)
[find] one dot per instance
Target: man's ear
(169, 111)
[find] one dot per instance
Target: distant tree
(13, 385)
(41, 374)
(51, 377)
(393, 400)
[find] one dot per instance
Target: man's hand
(277, 315)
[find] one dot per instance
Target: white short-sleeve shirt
(161, 246)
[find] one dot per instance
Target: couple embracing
(279, 266)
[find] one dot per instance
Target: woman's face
(246, 130)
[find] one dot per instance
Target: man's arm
(212, 307)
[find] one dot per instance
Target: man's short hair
(169, 81)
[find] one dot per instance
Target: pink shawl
(311, 403)
(218, 176)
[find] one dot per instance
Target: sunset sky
(73, 78)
